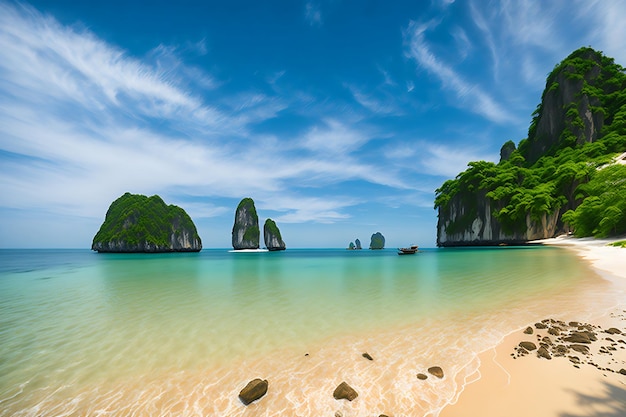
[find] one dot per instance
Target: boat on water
(408, 251)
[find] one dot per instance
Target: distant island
(377, 241)
(136, 223)
(566, 176)
(246, 233)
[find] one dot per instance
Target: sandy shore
(571, 385)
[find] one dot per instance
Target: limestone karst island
(136, 223)
(564, 177)
(246, 232)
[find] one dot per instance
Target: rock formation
(254, 390)
(246, 232)
(478, 226)
(436, 371)
(523, 198)
(345, 392)
(378, 241)
(357, 244)
(136, 223)
(271, 235)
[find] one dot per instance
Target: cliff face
(568, 110)
(136, 223)
(246, 232)
(482, 228)
(272, 237)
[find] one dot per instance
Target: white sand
(527, 386)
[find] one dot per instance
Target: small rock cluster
(575, 341)
(257, 388)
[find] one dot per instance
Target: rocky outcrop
(254, 390)
(246, 232)
(525, 195)
(357, 244)
(271, 235)
(568, 107)
(463, 224)
(136, 223)
(377, 241)
(345, 392)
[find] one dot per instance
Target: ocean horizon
(182, 333)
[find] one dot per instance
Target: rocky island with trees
(137, 223)
(566, 176)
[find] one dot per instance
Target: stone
(377, 241)
(554, 331)
(528, 346)
(578, 337)
(560, 350)
(255, 389)
(622, 371)
(436, 371)
(135, 223)
(543, 353)
(345, 392)
(547, 340)
(422, 376)
(529, 330)
(271, 236)
(368, 356)
(246, 233)
(357, 244)
(541, 326)
(613, 330)
(580, 348)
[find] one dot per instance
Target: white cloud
(472, 97)
(78, 115)
(313, 14)
(448, 161)
(307, 209)
(374, 105)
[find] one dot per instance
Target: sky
(339, 118)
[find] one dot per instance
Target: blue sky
(339, 118)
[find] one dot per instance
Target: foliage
(563, 177)
(603, 211)
(135, 218)
(619, 244)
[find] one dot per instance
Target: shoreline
(508, 384)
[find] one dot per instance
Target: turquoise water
(79, 328)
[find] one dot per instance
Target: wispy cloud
(82, 121)
(312, 13)
(471, 96)
(373, 104)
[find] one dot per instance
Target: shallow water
(103, 334)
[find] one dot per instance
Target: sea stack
(136, 223)
(378, 241)
(246, 232)
(271, 235)
(357, 244)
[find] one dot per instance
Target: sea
(180, 334)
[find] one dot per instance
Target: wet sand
(512, 385)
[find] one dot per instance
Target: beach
(507, 384)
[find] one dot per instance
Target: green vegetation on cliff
(135, 219)
(270, 226)
(557, 171)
